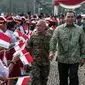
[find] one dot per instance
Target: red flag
(47, 22)
(25, 36)
(23, 80)
(25, 56)
(54, 20)
(26, 29)
(18, 34)
(30, 34)
(52, 28)
(4, 40)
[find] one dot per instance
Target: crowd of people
(43, 37)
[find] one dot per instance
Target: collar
(74, 25)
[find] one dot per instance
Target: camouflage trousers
(40, 74)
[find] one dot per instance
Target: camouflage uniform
(39, 44)
(50, 31)
(71, 43)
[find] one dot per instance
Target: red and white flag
(47, 22)
(25, 56)
(52, 28)
(30, 34)
(54, 20)
(26, 29)
(4, 59)
(18, 34)
(4, 40)
(23, 80)
(25, 36)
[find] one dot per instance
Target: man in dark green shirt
(69, 41)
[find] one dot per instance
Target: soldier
(69, 41)
(39, 44)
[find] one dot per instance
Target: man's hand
(12, 45)
(82, 62)
(16, 57)
(51, 56)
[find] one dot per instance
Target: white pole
(34, 6)
(55, 10)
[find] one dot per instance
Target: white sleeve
(22, 29)
(4, 71)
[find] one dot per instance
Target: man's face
(40, 27)
(79, 20)
(2, 25)
(69, 18)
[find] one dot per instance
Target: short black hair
(61, 15)
(78, 16)
(70, 11)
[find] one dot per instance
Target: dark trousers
(70, 70)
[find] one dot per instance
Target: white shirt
(4, 71)
(21, 29)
